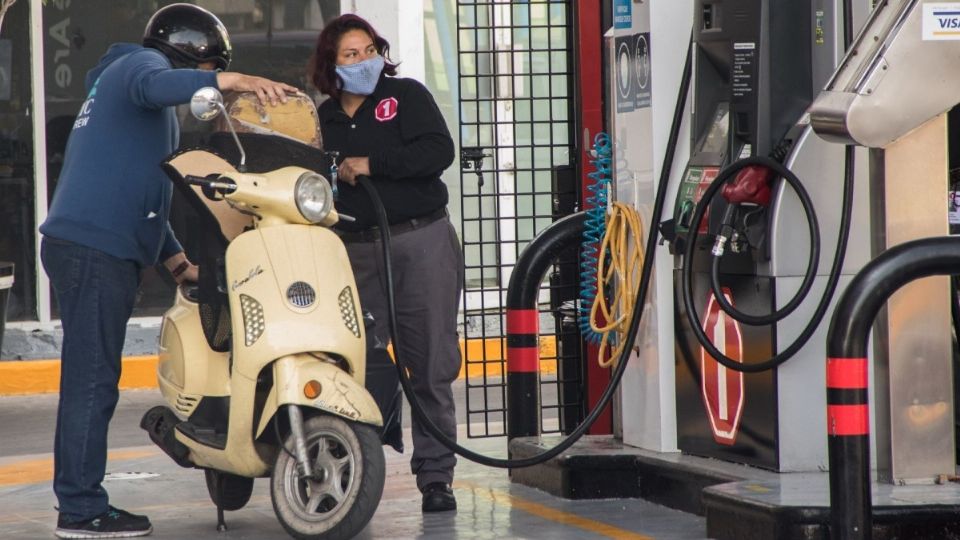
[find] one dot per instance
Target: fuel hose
(634, 326)
(832, 279)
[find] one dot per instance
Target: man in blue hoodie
(107, 222)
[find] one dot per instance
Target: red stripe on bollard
(848, 420)
(523, 359)
(523, 321)
(847, 373)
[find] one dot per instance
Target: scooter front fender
(340, 394)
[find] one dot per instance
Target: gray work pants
(428, 279)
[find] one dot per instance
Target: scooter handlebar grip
(196, 180)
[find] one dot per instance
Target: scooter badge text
(254, 272)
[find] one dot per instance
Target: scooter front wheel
(348, 469)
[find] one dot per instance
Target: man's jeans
(96, 293)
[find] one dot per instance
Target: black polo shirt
(400, 128)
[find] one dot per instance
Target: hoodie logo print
(386, 109)
(84, 116)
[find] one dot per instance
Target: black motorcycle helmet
(188, 35)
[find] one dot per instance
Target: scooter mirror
(206, 103)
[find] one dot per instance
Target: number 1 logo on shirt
(386, 109)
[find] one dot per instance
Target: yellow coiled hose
(618, 276)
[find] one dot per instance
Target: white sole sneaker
(76, 533)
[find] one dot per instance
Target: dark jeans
(96, 293)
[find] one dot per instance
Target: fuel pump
(748, 256)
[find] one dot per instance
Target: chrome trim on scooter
(301, 294)
(253, 321)
(300, 443)
(349, 311)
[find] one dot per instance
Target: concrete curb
(19, 377)
(43, 376)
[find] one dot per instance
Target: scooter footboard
(298, 377)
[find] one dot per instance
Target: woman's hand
(266, 89)
(352, 167)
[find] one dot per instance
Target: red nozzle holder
(752, 185)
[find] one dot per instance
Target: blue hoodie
(112, 194)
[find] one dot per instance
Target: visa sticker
(941, 21)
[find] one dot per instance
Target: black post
(848, 427)
(523, 319)
(564, 291)
(6, 283)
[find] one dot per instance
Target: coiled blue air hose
(593, 231)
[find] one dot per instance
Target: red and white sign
(386, 109)
(722, 388)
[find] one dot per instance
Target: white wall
(403, 28)
(648, 391)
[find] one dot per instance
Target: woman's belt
(373, 234)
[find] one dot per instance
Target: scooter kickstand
(221, 524)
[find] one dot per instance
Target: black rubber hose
(813, 260)
(631, 337)
(832, 280)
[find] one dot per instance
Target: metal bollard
(523, 359)
(848, 421)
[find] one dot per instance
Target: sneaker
(438, 497)
(114, 523)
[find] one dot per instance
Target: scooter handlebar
(213, 184)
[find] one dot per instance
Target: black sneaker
(114, 523)
(438, 497)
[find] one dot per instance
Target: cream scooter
(263, 362)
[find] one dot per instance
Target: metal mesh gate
(516, 102)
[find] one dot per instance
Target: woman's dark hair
(322, 68)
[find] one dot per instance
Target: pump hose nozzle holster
(751, 186)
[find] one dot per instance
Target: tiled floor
(490, 506)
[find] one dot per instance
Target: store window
(16, 161)
(270, 38)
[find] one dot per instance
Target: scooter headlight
(314, 197)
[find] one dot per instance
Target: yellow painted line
(552, 514)
(32, 471)
(481, 357)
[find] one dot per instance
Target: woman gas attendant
(391, 130)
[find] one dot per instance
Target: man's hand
(266, 89)
(190, 275)
(182, 269)
(352, 167)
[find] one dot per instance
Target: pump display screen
(715, 139)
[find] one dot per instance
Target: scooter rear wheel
(236, 489)
(348, 473)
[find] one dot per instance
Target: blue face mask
(361, 78)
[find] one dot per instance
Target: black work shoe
(114, 523)
(438, 497)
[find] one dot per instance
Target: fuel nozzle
(726, 231)
(750, 186)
